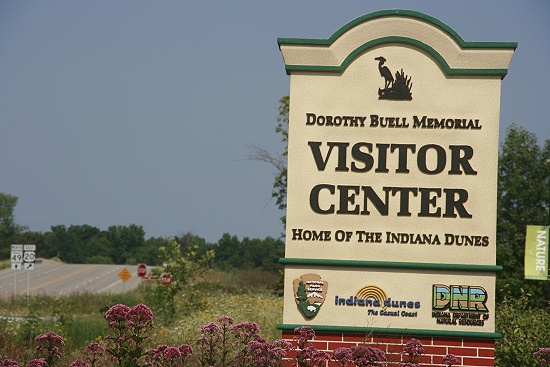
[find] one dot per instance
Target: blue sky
(139, 112)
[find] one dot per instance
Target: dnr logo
(459, 298)
(310, 293)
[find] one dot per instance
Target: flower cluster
(165, 356)
(8, 362)
(412, 350)
(308, 355)
(221, 344)
(360, 356)
(542, 357)
(129, 327)
(48, 348)
(79, 363)
(450, 360)
(94, 354)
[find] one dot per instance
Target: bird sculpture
(385, 72)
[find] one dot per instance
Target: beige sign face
(392, 175)
(393, 158)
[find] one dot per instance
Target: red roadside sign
(166, 279)
(141, 270)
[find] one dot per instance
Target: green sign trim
(399, 331)
(403, 13)
(390, 264)
(397, 39)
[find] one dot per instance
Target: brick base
(471, 352)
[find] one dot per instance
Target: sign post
(124, 275)
(16, 263)
(29, 258)
(392, 179)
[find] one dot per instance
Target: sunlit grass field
(80, 318)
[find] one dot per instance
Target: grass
(80, 317)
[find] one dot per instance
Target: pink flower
(94, 350)
(39, 362)
(8, 363)
(413, 348)
(306, 333)
(50, 338)
(117, 313)
(245, 331)
(450, 359)
(79, 363)
(542, 356)
(342, 355)
(226, 321)
(186, 350)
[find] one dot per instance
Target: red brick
(448, 341)
(424, 341)
(359, 338)
(479, 343)
(423, 359)
(334, 345)
(329, 337)
(486, 353)
(319, 345)
(486, 362)
(472, 352)
(388, 339)
(291, 354)
(288, 334)
(435, 350)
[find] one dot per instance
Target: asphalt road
(61, 279)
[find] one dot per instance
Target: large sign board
(393, 156)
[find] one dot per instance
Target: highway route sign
(16, 256)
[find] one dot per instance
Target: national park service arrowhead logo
(310, 293)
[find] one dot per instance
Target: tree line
(85, 244)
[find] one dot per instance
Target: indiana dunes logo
(372, 292)
(310, 292)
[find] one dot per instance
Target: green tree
(8, 227)
(183, 270)
(523, 199)
(279, 161)
(524, 330)
(125, 241)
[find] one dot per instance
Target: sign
(392, 171)
(125, 275)
(166, 279)
(536, 252)
(16, 256)
(141, 270)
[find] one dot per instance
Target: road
(54, 278)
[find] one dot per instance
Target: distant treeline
(84, 244)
